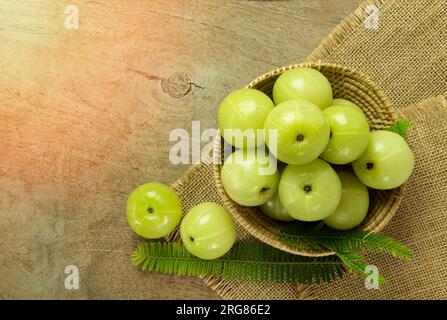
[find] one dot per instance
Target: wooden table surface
(85, 117)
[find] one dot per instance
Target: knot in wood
(178, 85)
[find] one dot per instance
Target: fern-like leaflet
(245, 261)
(347, 245)
(357, 242)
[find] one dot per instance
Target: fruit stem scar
(307, 188)
(369, 166)
(264, 189)
(191, 238)
(150, 210)
(299, 138)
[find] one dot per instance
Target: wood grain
(86, 114)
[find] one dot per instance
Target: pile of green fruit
(316, 136)
(154, 210)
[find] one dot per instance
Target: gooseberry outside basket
(348, 84)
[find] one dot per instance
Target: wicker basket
(348, 84)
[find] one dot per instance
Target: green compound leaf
(347, 245)
(401, 127)
(245, 261)
(357, 242)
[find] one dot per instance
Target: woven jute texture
(407, 57)
(421, 221)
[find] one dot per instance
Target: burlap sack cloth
(407, 57)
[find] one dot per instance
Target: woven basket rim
(375, 225)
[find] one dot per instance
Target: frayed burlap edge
(351, 23)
